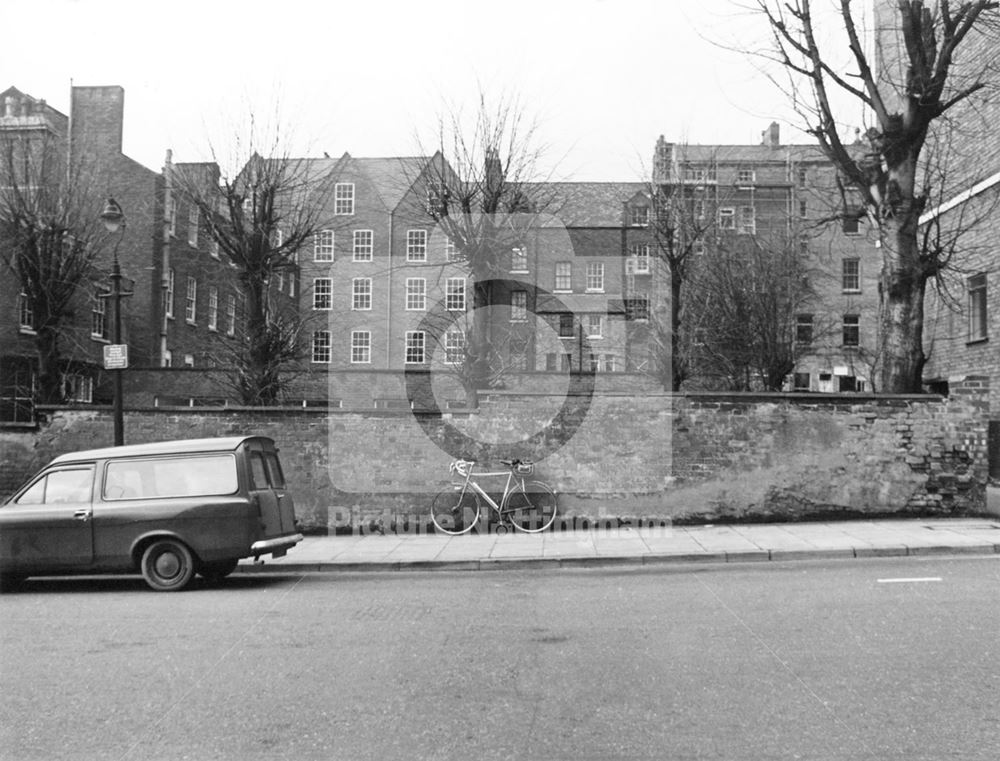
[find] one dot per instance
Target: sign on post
(115, 356)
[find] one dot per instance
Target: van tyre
(167, 565)
(11, 582)
(218, 570)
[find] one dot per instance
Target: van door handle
(82, 515)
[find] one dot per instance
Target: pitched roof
(588, 204)
(391, 177)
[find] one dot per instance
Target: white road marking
(909, 581)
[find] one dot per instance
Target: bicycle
(529, 506)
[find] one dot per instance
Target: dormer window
(639, 216)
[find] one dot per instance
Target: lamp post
(117, 360)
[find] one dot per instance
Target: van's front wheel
(167, 565)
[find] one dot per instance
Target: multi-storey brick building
(200, 322)
(184, 307)
(87, 148)
(387, 292)
(786, 196)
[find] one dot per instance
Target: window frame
(519, 260)
(567, 325)
(598, 321)
(322, 294)
(454, 346)
(595, 277)
(361, 347)
(639, 253)
(169, 296)
(563, 282)
(321, 345)
(361, 294)
(851, 326)
(416, 245)
(978, 307)
(362, 251)
(191, 301)
(416, 294)
(415, 345)
(519, 305)
(231, 315)
(25, 313)
(194, 218)
(850, 274)
(213, 308)
(322, 250)
(455, 294)
(343, 204)
(804, 324)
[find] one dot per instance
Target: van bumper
(276, 547)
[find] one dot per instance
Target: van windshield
(194, 475)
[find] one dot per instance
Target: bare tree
(260, 218)
(683, 220)
(887, 175)
(484, 194)
(742, 299)
(51, 241)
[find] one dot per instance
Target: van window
(60, 486)
(195, 475)
(274, 468)
(258, 471)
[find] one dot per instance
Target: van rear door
(267, 486)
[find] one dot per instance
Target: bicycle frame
(512, 481)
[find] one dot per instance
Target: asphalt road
(879, 659)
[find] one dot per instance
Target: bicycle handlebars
(464, 467)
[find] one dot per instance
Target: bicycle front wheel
(455, 510)
(531, 507)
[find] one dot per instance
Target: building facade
(386, 293)
(784, 198)
(84, 152)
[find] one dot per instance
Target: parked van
(167, 510)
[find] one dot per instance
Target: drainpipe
(168, 189)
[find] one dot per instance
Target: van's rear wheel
(167, 565)
(11, 582)
(218, 570)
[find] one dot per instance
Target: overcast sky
(603, 78)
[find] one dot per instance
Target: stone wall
(682, 458)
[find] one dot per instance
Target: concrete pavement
(639, 546)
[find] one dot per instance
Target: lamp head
(113, 217)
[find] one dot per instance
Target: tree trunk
(49, 371)
(478, 370)
(902, 286)
(678, 367)
(261, 370)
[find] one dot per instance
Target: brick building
(83, 148)
(200, 324)
(786, 196)
(385, 292)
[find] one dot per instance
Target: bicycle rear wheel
(455, 510)
(531, 507)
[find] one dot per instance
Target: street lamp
(117, 359)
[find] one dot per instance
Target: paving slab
(640, 546)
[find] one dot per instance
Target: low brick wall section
(682, 458)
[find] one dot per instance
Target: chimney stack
(772, 136)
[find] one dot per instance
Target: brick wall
(692, 457)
